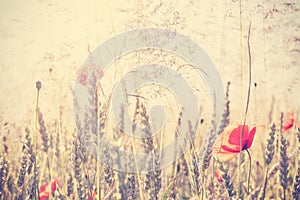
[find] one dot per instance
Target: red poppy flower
(234, 139)
(47, 189)
(93, 196)
(289, 123)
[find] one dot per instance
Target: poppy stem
(249, 173)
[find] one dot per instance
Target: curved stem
(249, 173)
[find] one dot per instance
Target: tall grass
(192, 176)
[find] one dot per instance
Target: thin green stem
(249, 173)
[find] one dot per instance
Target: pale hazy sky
(49, 41)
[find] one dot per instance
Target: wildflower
(47, 189)
(289, 123)
(234, 139)
(92, 196)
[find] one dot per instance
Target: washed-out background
(50, 40)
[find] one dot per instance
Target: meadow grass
(46, 156)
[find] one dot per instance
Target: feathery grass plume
(59, 164)
(147, 141)
(32, 169)
(225, 119)
(195, 172)
(43, 132)
(153, 178)
(284, 165)
(269, 154)
(70, 186)
(32, 187)
(296, 185)
(51, 140)
(277, 152)
(132, 188)
(176, 134)
(183, 173)
(10, 185)
(138, 179)
(212, 136)
(173, 190)
(298, 135)
(121, 176)
(30, 151)
(4, 167)
(77, 169)
(132, 191)
(121, 185)
(90, 174)
(5, 147)
(22, 173)
(45, 141)
(137, 112)
(91, 115)
(157, 174)
(226, 179)
(109, 173)
(174, 193)
(93, 98)
(80, 137)
(210, 140)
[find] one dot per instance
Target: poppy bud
(38, 85)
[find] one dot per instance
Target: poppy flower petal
(229, 149)
(43, 187)
(222, 154)
(287, 126)
(289, 123)
(225, 156)
(251, 137)
(44, 195)
(228, 144)
(236, 134)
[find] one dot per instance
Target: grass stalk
(38, 87)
